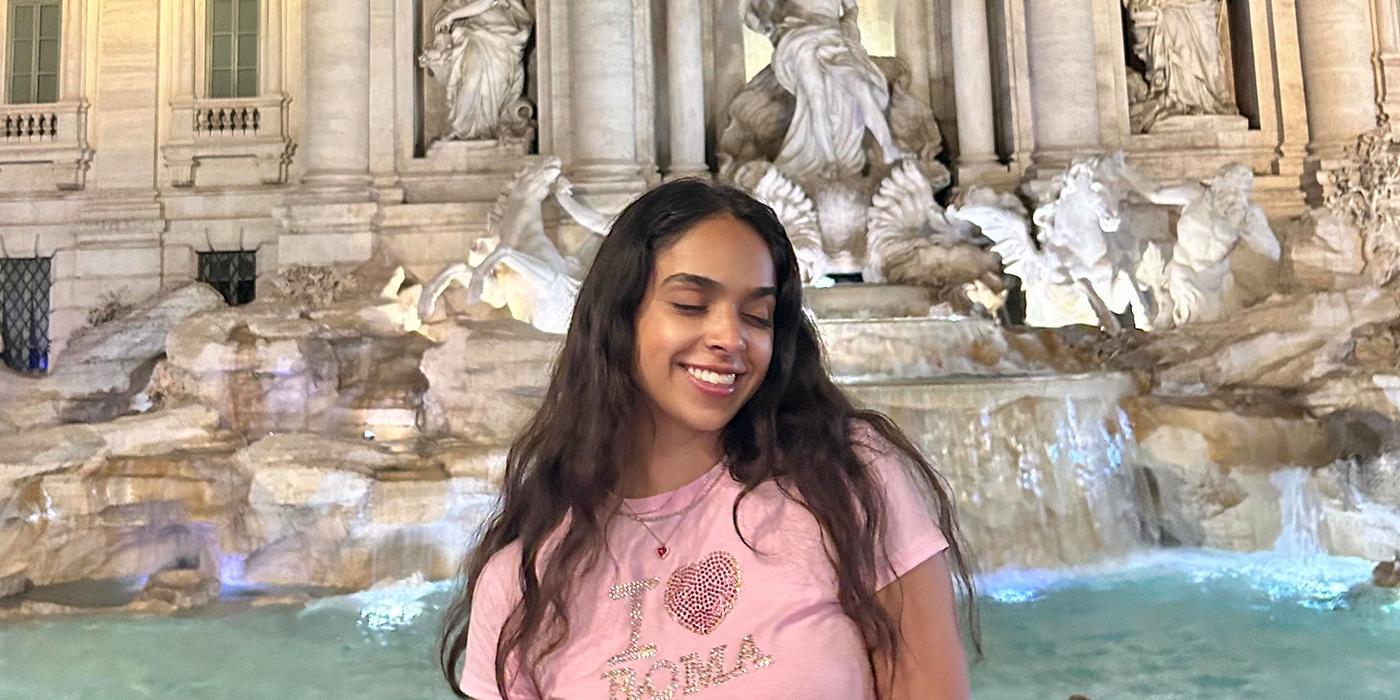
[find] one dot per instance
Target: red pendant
(662, 551)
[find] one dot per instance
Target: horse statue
(1080, 267)
(516, 265)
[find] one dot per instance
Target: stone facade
(135, 169)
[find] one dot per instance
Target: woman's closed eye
(757, 319)
(761, 320)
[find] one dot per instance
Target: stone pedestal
(319, 232)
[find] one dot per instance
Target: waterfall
(1041, 467)
(1301, 513)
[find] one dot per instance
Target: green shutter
(35, 41)
(232, 47)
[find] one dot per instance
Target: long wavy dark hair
(565, 467)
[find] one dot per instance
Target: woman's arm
(931, 664)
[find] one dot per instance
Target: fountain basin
(1184, 623)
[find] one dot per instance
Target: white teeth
(705, 375)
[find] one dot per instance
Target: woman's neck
(670, 458)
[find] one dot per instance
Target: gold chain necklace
(663, 549)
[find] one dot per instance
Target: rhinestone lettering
(633, 591)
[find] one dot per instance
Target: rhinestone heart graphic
(700, 595)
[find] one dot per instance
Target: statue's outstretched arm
(1178, 195)
(586, 216)
(1259, 235)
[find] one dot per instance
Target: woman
(696, 507)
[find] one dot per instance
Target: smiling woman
(696, 503)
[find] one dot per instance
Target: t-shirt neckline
(668, 502)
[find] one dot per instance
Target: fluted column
(603, 100)
(336, 134)
(1338, 76)
(972, 88)
(1064, 88)
(685, 76)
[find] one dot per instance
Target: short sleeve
(496, 596)
(911, 529)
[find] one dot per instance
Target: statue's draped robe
(824, 69)
(485, 71)
(1187, 70)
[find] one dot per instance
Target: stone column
(685, 76)
(1338, 76)
(972, 88)
(1064, 86)
(336, 133)
(603, 100)
(333, 219)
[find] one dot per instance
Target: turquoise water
(1168, 625)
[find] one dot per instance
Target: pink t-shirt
(713, 618)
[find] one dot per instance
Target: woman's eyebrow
(706, 283)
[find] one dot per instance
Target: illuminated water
(1164, 625)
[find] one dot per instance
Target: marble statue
(1197, 283)
(516, 265)
(840, 92)
(806, 116)
(911, 241)
(1075, 271)
(477, 54)
(1179, 43)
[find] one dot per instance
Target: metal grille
(233, 273)
(24, 313)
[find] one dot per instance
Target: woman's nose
(726, 332)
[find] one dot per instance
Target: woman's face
(705, 327)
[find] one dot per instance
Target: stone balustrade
(250, 128)
(43, 146)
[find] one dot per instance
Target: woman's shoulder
(501, 574)
(868, 442)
